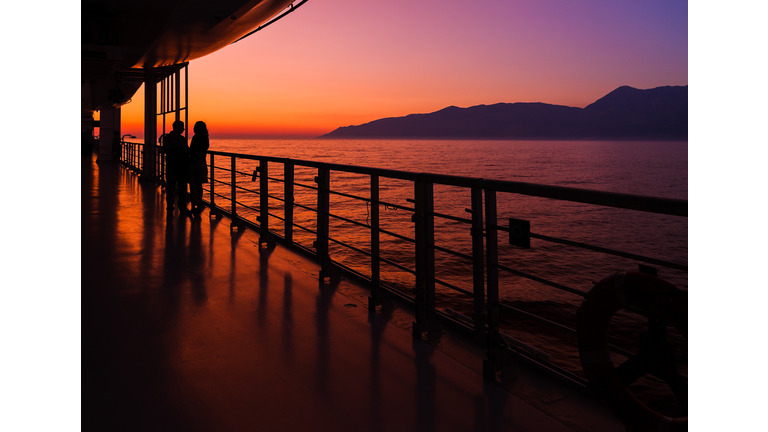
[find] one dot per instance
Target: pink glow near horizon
(342, 62)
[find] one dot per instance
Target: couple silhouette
(185, 165)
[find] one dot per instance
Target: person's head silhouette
(178, 126)
(201, 128)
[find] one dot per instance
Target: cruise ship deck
(186, 326)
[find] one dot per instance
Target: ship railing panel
(400, 262)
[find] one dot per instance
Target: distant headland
(625, 113)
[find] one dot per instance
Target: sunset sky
(335, 63)
(341, 62)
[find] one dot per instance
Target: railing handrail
(650, 204)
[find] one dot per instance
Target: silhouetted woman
(198, 170)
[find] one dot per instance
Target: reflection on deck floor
(186, 327)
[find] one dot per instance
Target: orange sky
(337, 63)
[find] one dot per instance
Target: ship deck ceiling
(188, 327)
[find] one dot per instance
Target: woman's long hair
(201, 128)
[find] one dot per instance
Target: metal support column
(150, 127)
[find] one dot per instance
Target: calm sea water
(657, 169)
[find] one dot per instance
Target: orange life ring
(604, 299)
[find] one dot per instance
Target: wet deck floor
(188, 327)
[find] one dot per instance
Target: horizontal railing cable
(390, 233)
(649, 260)
(314, 210)
(452, 252)
(247, 190)
(348, 196)
(392, 263)
(556, 326)
(347, 220)
(542, 280)
(453, 218)
(453, 287)
(248, 207)
(339, 242)
(309, 230)
(306, 186)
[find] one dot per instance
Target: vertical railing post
(233, 183)
(212, 182)
(420, 289)
(375, 298)
(236, 223)
(323, 181)
(425, 257)
(429, 215)
(288, 178)
(491, 363)
(263, 218)
(478, 264)
(214, 212)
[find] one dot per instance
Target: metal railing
(146, 160)
(241, 186)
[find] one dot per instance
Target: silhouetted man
(176, 165)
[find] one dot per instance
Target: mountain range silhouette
(625, 113)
